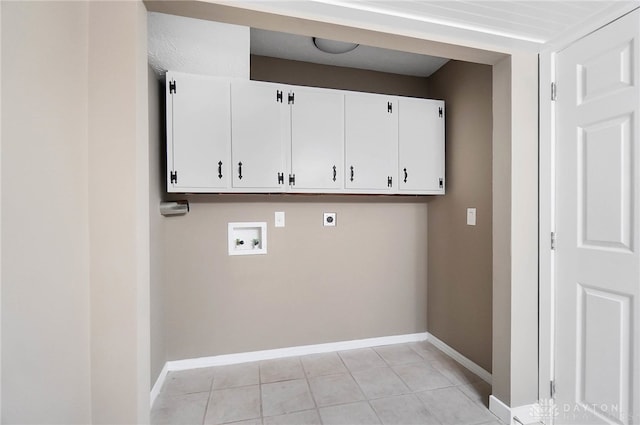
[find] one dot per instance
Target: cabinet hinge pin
(172, 87)
(554, 91)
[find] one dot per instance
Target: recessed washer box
(247, 238)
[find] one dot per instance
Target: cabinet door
(421, 146)
(198, 133)
(317, 139)
(260, 125)
(371, 142)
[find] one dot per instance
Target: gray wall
(460, 256)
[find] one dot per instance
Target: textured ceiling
(301, 48)
(522, 23)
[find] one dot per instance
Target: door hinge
(554, 91)
(292, 179)
(553, 241)
(279, 96)
(552, 389)
(172, 87)
(390, 107)
(389, 181)
(280, 178)
(440, 112)
(291, 98)
(173, 177)
(441, 183)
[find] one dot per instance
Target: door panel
(199, 133)
(371, 141)
(260, 130)
(421, 145)
(597, 368)
(317, 139)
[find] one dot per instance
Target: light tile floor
(395, 384)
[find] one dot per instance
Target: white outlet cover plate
(471, 216)
(279, 219)
(329, 219)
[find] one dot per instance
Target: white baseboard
(526, 414)
(228, 359)
(155, 391)
(473, 367)
(520, 415)
(501, 410)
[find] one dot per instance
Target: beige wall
(460, 256)
(502, 232)
(119, 212)
(156, 226)
(45, 221)
(364, 278)
(265, 68)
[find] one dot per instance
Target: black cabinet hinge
(389, 181)
(291, 98)
(280, 178)
(440, 112)
(279, 96)
(292, 179)
(173, 177)
(172, 87)
(390, 107)
(441, 183)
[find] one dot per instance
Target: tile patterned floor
(393, 385)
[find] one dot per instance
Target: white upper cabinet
(317, 140)
(226, 135)
(371, 140)
(260, 117)
(421, 146)
(198, 133)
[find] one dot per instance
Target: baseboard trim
(527, 414)
(501, 410)
(464, 361)
(278, 353)
(155, 391)
(520, 415)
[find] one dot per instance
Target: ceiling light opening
(332, 46)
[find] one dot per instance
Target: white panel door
(198, 133)
(597, 367)
(317, 139)
(371, 142)
(421, 145)
(260, 128)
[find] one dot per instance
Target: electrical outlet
(329, 219)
